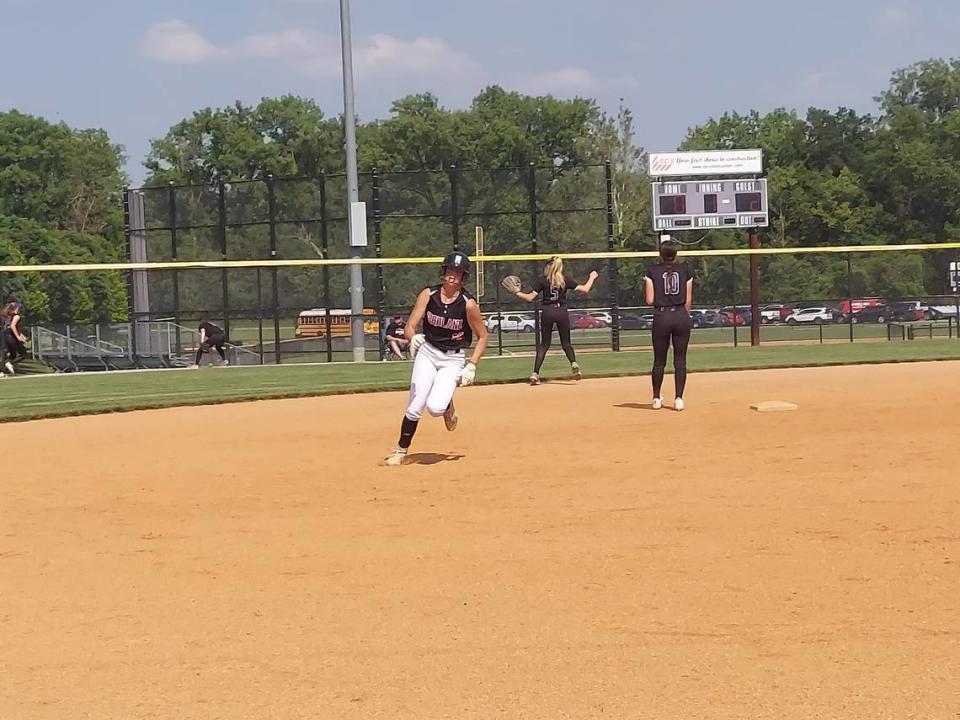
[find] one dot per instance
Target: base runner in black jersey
(450, 318)
(552, 289)
(669, 288)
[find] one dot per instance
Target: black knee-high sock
(222, 354)
(199, 356)
(408, 429)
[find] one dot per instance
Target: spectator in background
(396, 339)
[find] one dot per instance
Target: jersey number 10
(671, 283)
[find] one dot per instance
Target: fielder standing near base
(669, 288)
(450, 318)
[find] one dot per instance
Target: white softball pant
(435, 375)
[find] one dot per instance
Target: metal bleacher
(123, 346)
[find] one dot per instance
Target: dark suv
(907, 311)
(872, 313)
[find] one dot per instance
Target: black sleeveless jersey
(445, 324)
(669, 284)
(551, 296)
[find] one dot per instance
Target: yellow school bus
(313, 323)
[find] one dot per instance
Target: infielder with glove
(450, 317)
(552, 288)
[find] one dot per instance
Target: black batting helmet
(456, 261)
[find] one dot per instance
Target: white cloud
(179, 43)
(311, 53)
(569, 81)
(385, 55)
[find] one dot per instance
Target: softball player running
(552, 288)
(669, 288)
(450, 317)
(12, 338)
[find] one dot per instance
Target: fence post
(275, 290)
(754, 289)
(733, 292)
(612, 269)
(326, 269)
(222, 230)
(496, 273)
(850, 292)
(956, 299)
(131, 307)
(534, 243)
(260, 315)
(172, 220)
(378, 246)
(453, 174)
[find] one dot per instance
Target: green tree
(60, 177)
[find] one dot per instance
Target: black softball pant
(553, 315)
(670, 326)
(214, 341)
(11, 347)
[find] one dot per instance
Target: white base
(773, 406)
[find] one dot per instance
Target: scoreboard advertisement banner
(710, 204)
(707, 162)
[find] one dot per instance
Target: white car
(511, 322)
(603, 316)
(770, 314)
(816, 315)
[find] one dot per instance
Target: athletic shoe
(226, 363)
(535, 379)
(194, 367)
(395, 457)
(678, 404)
(450, 418)
(657, 403)
(575, 369)
(9, 366)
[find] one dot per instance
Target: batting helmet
(456, 261)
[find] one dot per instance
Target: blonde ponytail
(554, 273)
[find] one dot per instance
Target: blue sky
(136, 68)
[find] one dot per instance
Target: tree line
(836, 177)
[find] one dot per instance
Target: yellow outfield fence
(573, 256)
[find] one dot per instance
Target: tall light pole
(353, 188)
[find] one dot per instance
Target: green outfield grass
(25, 398)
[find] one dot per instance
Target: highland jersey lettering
(445, 323)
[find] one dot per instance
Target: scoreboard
(710, 204)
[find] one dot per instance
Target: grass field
(58, 395)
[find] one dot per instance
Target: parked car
(907, 311)
(511, 322)
(738, 315)
(847, 307)
(939, 311)
(870, 313)
(708, 318)
(582, 321)
(812, 315)
(774, 313)
(643, 321)
(602, 315)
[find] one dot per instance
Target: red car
(582, 321)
